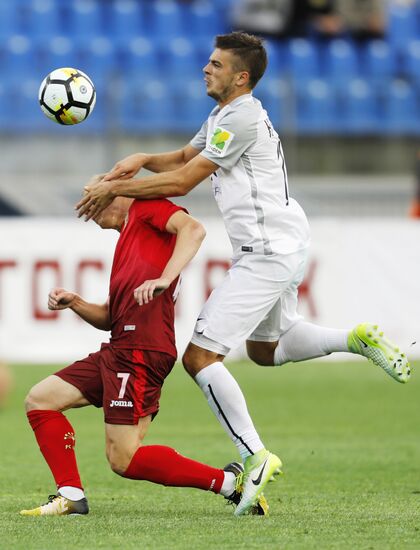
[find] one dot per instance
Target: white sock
(228, 485)
(228, 404)
(72, 493)
(307, 341)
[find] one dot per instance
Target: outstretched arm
(166, 184)
(189, 236)
(96, 315)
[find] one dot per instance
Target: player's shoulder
(242, 112)
(149, 206)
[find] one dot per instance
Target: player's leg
(78, 385)
(138, 386)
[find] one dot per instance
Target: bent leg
(157, 463)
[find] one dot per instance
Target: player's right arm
(161, 162)
(96, 315)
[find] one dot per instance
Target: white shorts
(257, 300)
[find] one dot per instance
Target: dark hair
(249, 52)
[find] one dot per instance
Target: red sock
(55, 436)
(165, 466)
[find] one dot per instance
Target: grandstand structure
(146, 58)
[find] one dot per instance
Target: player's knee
(34, 400)
(262, 353)
(118, 461)
(190, 363)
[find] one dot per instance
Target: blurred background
(342, 89)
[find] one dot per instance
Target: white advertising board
(358, 270)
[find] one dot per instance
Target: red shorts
(126, 383)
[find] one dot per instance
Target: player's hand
(126, 168)
(150, 289)
(59, 298)
(96, 197)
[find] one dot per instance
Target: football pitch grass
(349, 437)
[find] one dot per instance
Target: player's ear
(243, 78)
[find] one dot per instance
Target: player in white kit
(256, 302)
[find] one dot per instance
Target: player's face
(220, 75)
(113, 216)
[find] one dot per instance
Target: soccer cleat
(367, 340)
(58, 505)
(259, 470)
(260, 508)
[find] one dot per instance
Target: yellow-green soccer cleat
(367, 340)
(259, 470)
(260, 508)
(57, 505)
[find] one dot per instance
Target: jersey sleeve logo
(220, 141)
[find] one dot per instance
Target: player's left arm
(174, 183)
(189, 236)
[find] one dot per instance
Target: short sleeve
(199, 140)
(155, 213)
(232, 136)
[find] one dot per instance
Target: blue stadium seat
(403, 23)
(411, 60)
(146, 106)
(192, 105)
(140, 56)
(359, 113)
(303, 59)
(277, 58)
(10, 19)
(83, 19)
(341, 63)
(19, 56)
(42, 18)
(201, 18)
(7, 114)
(56, 52)
(125, 19)
(275, 96)
(378, 60)
(180, 56)
(316, 108)
(401, 109)
(165, 18)
(27, 113)
(97, 57)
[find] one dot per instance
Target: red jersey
(142, 252)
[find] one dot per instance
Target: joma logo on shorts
(115, 403)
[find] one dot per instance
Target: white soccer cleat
(58, 505)
(367, 340)
(259, 470)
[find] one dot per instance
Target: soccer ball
(67, 96)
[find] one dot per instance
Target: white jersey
(251, 187)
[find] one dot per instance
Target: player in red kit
(157, 240)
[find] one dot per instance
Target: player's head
(235, 66)
(113, 216)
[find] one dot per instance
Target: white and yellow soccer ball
(67, 96)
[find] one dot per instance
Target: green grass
(348, 435)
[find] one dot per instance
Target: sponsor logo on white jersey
(121, 403)
(220, 141)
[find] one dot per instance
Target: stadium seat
(83, 19)
(403, 24)
(401, 109)
(201, 18)
(341, 63)
(277, 58)
(179, 56)
(303, 59)
(192, 105)
(43, 17)
(58, 51)
(165, 18)
(19, 56)
(316, 108)
(10, 19)
(124, 19)
(378, 60)
(358, 113)
(146, 106)
(411, 61)
(97, 57)
(139, 56)
(276, 97)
